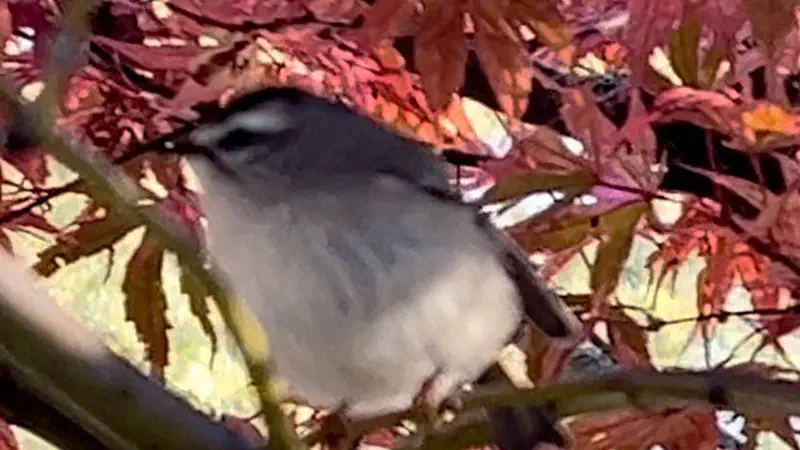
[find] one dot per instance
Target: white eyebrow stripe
(208, 135)
(266, 120)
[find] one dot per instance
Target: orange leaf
(547, 359)
(440, 52)
(547, 22)
(456, 115)
(779, 425)
(388, 57)
(586, 122)
(771, 20)
(768, 118)
(384, 20)
(690, 428)
(340, 11)
(650, 22)
(542, 149)
(6, 25)
(89, 238)
(504, 59)
(705, 109)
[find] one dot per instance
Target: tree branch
(52, 357)
(655, 323)
(20, 407)
(108, 184)
(726, 389)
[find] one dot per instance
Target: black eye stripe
(239, 138)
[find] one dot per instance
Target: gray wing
(411, 278)
(545, 309)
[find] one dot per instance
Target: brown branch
(75, 186)
(725, 389)
(51, 356)
(646, 194)
(108, 184)
(747, 394)
(22, 408)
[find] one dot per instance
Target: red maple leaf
(689, 428)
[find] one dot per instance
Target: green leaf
(683, 48)
(559, 235)
(539, 181)
(619, 227)
(710, 66)
(146, 302)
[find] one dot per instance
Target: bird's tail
(524, 428)
(521, 428)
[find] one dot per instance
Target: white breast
(456, 322)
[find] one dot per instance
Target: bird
(374, 282)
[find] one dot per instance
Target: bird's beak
(177, 142)
(189, 143)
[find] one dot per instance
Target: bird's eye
(240, 138)
(244, 129)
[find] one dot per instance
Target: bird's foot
(337, 431)
(425, 408)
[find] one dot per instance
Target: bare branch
(655, 323)
(51, 355)
(108, 184)
(23, 408)
(726, 389)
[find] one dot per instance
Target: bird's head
(293, 135)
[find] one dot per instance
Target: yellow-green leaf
(539, 181)
(619, 227)
(683, 50)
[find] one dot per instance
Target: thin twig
(644, 193)
(76, 186)
(711, 154)
(721, 315)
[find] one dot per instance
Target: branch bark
(20, 407)
(51, 355)
(107, 184)
(749, 394)
(727, 389)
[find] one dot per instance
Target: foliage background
(727, 74)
